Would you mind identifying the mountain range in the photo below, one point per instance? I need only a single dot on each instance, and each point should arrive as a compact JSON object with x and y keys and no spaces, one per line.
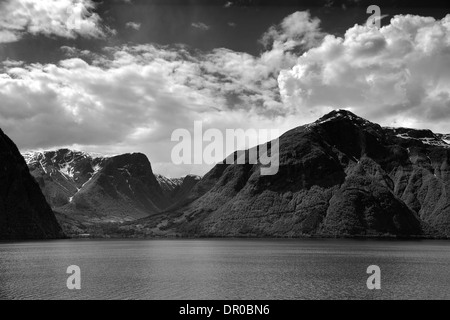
{"x":86,"y":189}
{"x":339,"y":176}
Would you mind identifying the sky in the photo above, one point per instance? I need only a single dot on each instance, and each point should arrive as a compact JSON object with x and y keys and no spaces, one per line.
{"x":120,"y":76}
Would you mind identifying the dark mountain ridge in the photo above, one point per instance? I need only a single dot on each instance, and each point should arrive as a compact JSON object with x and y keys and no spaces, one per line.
{"x":24,"y":213}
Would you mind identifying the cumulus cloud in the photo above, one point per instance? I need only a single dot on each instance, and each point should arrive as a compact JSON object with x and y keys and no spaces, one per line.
{"x":296,"y":32}
{"x":62,"y":18}
{"x":397,"y":75}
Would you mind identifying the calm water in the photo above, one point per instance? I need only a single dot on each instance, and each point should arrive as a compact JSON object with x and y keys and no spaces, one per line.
{"x":225,"y":269}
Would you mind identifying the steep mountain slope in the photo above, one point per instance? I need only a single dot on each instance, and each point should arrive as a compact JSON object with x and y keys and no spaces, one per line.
{"x":24,"y":213}
{"x":98,"y":189}
{"x":339,"y":176}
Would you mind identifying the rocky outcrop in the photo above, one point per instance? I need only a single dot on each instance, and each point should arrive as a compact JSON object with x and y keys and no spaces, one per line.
{"x":24,"y":212}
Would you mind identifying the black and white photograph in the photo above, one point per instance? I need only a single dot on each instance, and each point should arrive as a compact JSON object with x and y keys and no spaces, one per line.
{"x":214,"y":152}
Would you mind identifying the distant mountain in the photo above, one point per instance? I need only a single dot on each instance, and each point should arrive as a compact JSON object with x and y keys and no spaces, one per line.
{"x":179,"y":188}
{"x":339,"y":176}
{"x":62,"y":173}
{"x":98,"y":189}
{"x":88,"y":191}
{"x":168,"y":185}
{"x":24,"y":213}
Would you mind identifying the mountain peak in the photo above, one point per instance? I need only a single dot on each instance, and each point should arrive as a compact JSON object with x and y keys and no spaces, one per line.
{"x":341,"y":114}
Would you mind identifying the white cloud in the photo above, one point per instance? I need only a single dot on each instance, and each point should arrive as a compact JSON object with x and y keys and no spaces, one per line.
{"x":62,"y":18}
{"x":12,"y":63}
{"x":200,"y":25}
{"x":133,"y":25}
{"x":131,"y":98}
{"x":397,"y":75}
{"x":297,"y":31}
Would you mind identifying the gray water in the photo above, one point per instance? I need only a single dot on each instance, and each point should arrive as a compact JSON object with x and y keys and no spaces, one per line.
{"x":225,"y":269}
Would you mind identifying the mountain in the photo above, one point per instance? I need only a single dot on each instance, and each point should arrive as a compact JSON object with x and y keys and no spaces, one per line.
{"x":168,"y":185}
{"x":98,"y":189}
{"x":339,"y":176}
{"x":24,"y":213}
{"x":62,"y":173}
{"x":179,"y":188}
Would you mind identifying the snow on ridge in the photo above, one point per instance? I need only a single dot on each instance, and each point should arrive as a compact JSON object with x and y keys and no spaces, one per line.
{"x":35,"y":154}
{"x":340,"y":113}
{"x":164,"y":180}
{"x":32,"y":156}
{"x":67,"y":161}
{"x":429,"y":141}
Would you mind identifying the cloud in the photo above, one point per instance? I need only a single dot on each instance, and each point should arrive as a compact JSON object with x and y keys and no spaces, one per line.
{"x":201,"y":26}
{"x":131,"y":98}
{"x":12,"y":63}
{"x":397,"y":75}
{"x":133,"y":25}
{"x":296,"y":32}
{"x":62,"y":18}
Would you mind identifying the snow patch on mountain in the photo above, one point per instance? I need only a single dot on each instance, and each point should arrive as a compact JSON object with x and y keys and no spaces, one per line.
{"x":432,"y":141}
{"x":168,"y":184}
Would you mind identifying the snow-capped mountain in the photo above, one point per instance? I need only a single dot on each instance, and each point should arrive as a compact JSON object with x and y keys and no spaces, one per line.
{"x":96,"y":188}
{"x":62,"y":173}
{"x":177,"y":189}
{"x":168,"y":184}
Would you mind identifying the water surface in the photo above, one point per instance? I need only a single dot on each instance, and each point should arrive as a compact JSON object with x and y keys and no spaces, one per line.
{"x":225,"y":269}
